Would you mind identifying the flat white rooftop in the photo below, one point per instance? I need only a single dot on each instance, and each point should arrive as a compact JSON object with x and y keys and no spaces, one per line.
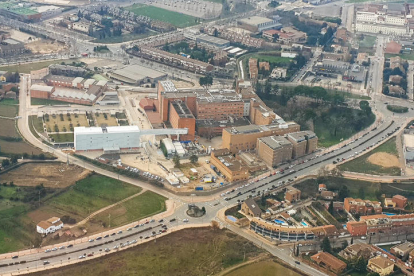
{"x":109,"y":129}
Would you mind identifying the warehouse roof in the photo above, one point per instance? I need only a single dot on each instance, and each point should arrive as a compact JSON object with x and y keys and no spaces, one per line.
{"x":255,"y":20}
{"x":275,"y":142}
{"x":109,"y":129}
{"x":41,"y":88}
{"x":136,"y":73}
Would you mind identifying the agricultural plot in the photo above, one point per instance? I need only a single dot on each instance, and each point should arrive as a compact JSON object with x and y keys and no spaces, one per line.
{"x":8,"y":128}
{"x":18,"y":148}
{"x":105,"y":119}
{"x":174,"y":18}
{"x":8,"y":110}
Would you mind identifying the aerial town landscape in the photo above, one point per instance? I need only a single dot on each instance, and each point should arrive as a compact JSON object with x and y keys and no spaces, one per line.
{"x":206,"y":137}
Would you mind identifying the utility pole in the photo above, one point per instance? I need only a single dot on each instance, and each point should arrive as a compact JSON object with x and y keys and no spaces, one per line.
{"x":109,"y":216}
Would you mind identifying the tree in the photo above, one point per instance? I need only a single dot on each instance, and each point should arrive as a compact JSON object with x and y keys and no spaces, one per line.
{"x":344,"y":244}
{"x":13,"y":159}
{"x":343,"y":192}
{"x":203,"y":209}
{"x":193,"y":159}
{"x":352,"y":240}
{"x":361,"y":192}
{"x":326,"y":245}
{"x":176,"y":160}
{"x":5,"y":162}
{"x":360,"y":265}
{"x":206,"y":81}
{"x":331,"y":208}
{"x":297,"y":251}
{"x":215,"y":33}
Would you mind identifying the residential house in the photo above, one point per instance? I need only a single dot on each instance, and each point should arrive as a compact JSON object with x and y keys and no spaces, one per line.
{"x":292,"y":195}
{"x":326,"y":260}
{"x":402,"y":250}
{"x":49,"y":226}
{"x":322,"y":187}
{"x":250,"y":207}
{"x":358,"y":250}
{"x":362,"y":207}
{"x":328,"y":195}
{"x":381,"y":265}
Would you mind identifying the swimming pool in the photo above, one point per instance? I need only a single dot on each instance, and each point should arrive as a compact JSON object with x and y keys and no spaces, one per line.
{"x":278,"y":221}
{"x":304,"y":224}
{"x":233,"y":219}
{"x":389,"y":214}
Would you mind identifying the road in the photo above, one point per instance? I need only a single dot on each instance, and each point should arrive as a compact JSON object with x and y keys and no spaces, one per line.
{"x":213,"y":204}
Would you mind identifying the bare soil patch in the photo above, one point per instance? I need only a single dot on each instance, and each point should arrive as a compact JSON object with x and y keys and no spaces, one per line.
{"x":53,"y":175}
{"x":384,"y":159}
{"x":45,"y":47}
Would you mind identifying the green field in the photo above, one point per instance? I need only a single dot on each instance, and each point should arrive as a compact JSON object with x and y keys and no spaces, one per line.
{"x":144,"y":205}
{"x":7,"y":110}
{"x":62,"y":137}
{"x":8,"y":128}
{"x":27,"y":67}
{"x":367,"y":42}
{"x":17,"y":148}
{"x":348,"y":95}
{"x":36,"y":101}
{"x":264,"y":268}
{"x":190,"y":252}
{"x":177,"y":19}
{"x":397,"y":108}
{"x":19,"y":217}
{"x":9,"y":102}
{"x":125,"y":37}
{"x":323,"y":127}
{"x":403,"y":56}
{"x":361,"y":164}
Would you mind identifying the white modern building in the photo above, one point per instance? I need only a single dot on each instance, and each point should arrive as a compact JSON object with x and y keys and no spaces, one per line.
{"x":115,"y":138}
{"x":49,"y":226}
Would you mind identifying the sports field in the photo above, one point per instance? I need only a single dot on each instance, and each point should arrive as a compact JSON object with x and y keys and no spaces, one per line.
{"x":177,"y":19}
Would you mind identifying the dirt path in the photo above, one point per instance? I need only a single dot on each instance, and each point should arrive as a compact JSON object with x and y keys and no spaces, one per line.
{"x":104,"y":209}
{"x":399,"y":146}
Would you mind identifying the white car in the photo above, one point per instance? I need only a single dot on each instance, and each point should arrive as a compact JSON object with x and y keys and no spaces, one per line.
{"x":185,"y":220}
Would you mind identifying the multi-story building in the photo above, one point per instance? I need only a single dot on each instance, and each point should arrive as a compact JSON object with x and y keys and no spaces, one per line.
{"x":245,"y":137}
{"x":174,"y":59}
{"x":357,"y":228}
{"x":274,"y":150}
{"x":381,"y":224}
{"x":250,"y":208}
{"x":355,"y":251}
{"x":219,"y":108}
{"x":232,"y":168}
{"x":304,"y":142}
{"x":259,"y":113}
{"x":181,"y":117}
{"x":290,"y":233}
{"x":402,"y":250}
{"x":362,"y":207}
{"x":382,"y":19}
{"x":292,"y":194}
{"x":400,"y":201}
{"x":253,"y":70}
{"x":41,"y":91}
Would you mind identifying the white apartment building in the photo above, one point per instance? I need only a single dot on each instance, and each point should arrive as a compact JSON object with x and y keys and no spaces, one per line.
{"x":382,"y":21}
{"x":49,"y":226}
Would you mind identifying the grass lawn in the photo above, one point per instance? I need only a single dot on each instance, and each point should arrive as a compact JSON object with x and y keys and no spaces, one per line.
{"x":324,"y":131}
{"x":19,"y":218}
{"x":88,"y":195}
{"x":37,"y":123}
{"x":125,"y":37}
{"x":368,"y":41}
{"x":9,"y":102}
{"x":264,"y":268}
{"x":108,"y":120}
{"x":8,"y":110}
{"x":27,"y":67}
{"x":270,"y":58}
{"x":403,"y":56}
{"x":144,"y":205}
{"x":397,"y":108}
{"x":62,"y":137}
{"x":362,"y":165}
{"x":99,"y":77}
{"x":198,"y":251}
{"x":8,"y":128}
{"x":177,"y":19}
{"x":349,"y":95}
{"x":36,"y":101}
{"x":65,"y":125}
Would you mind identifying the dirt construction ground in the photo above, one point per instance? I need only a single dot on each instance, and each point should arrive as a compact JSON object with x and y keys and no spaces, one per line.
{"x":45,"y":47}
{"x":384,"y":160}
{"x":53,"y":175}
